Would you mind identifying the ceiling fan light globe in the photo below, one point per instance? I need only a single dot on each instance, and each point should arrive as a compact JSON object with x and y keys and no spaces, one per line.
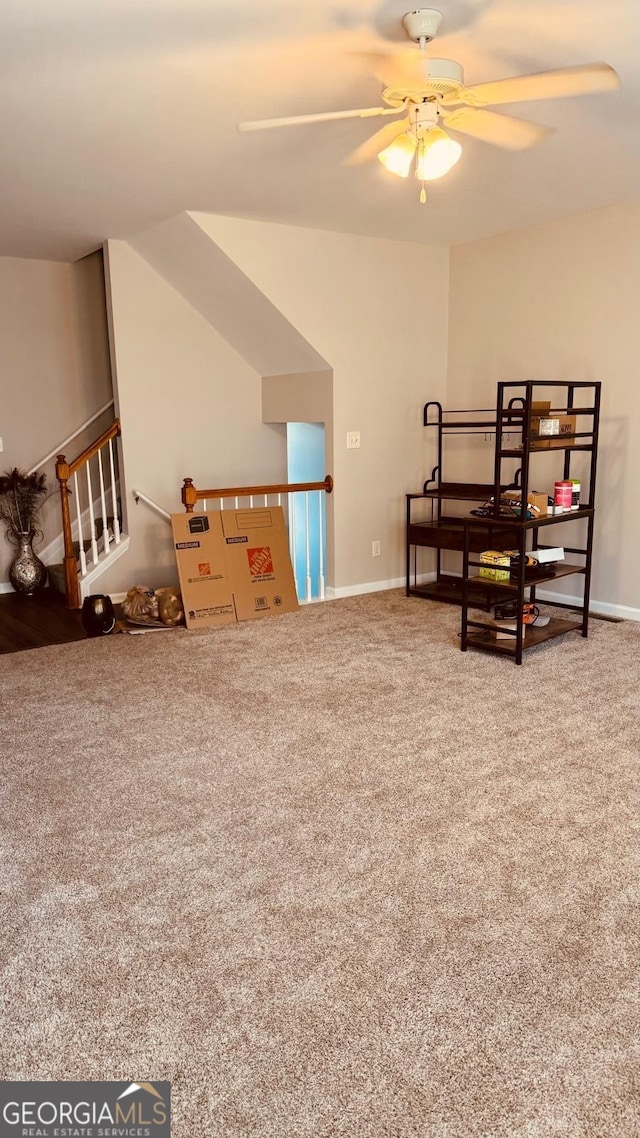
{"x":398,"y":156}
{"x":437,"y":154}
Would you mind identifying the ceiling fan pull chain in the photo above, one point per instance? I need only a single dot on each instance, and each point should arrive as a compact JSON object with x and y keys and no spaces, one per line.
{"x":423,"y":195}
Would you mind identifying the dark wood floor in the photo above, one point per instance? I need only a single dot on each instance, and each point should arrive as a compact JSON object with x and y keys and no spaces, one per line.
{"x":36,"y":621}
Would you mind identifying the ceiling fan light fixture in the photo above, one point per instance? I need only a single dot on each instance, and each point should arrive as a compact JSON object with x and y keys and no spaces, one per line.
{"x":437,"y":153}
{"x":398,"y":156}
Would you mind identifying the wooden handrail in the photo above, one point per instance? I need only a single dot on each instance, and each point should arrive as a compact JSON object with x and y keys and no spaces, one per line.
{"x":110,"y":433}
{"x":64,"y":471}
{"x":69,"y":439}
{"x":72,"y":589}
{"x":190,"y":495}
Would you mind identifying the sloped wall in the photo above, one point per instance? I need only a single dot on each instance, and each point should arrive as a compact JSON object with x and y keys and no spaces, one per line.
{"x":190,"y":407}
{"x":377,"y":312}
{"x":355,"y":329}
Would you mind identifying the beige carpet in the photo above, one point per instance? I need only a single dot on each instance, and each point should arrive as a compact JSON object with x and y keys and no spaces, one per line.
{"x":328,"y":875}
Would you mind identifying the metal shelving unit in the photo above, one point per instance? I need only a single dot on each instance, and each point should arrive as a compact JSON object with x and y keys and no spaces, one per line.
{"x":522,"y":587}
{"x":444,"y":530}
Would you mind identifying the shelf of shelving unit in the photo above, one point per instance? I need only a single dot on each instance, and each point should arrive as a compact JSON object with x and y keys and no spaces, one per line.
{"x":484,"y":638}
{"x":521,"y":586}
{"x":443,"y":531}
{"x":563,"y":570}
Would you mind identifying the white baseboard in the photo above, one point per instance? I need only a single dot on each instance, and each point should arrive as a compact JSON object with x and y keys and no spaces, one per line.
{"x":622,"y":612}
{"x":375,"y":586}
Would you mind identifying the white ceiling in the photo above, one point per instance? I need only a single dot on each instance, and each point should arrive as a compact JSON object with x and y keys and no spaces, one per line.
{"x":116,"y":114}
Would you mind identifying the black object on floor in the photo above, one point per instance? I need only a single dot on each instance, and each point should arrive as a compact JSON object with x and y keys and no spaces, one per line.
{"x":98,"y":616}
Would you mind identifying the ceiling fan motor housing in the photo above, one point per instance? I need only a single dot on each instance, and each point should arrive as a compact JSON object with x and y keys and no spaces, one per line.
{"x":431,"y":79}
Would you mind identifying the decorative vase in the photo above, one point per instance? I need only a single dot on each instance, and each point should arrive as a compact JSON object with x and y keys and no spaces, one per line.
{"x":27,"y":572}
{"x":98,"y":616}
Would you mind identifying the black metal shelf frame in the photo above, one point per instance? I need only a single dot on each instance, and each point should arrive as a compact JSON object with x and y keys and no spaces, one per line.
{"x":525,"y":527}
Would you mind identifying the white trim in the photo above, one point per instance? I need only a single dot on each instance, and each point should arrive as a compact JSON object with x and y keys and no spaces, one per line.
{"x":115,"y":553}
{"x":57,"y":450}
{"x":622,"y":612}
{"x":374,"y":586}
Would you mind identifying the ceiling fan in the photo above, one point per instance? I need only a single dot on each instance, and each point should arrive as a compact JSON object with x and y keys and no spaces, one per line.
{"x":430,"y":93}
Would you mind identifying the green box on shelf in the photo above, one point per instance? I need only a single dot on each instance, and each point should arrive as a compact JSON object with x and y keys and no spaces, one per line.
{"x":495,"y":565}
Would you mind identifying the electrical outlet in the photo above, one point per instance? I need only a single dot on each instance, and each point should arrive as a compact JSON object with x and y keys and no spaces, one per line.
{"x":353,"y":440}
{"x":375,"y":548}
{"x":1,"y":444}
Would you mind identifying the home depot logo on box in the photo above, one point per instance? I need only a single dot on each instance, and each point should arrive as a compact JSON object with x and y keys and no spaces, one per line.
{"x":260,"y":562}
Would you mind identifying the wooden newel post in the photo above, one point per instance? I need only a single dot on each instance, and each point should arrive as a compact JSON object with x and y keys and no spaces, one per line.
{"x":189,"y":495}
{"x":70,"y":564}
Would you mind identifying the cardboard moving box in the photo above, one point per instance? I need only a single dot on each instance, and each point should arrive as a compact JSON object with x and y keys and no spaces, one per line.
{"x":259,"y":563}
{"x":233,"y":565}
{"x":549,"y":433}
{"x":535,"y":498}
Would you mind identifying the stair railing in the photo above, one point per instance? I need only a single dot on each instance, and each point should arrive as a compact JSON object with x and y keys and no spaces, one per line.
{"x":69,"y":439}
{"x":307,"y":546}
{"x":100,"y":490}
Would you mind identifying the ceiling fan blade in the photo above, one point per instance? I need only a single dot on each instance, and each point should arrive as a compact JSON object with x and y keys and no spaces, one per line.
{"x":377,"y":142}
{"x":500,"y":130}
{"x":326,"y":116}
{"x":580,"y":80}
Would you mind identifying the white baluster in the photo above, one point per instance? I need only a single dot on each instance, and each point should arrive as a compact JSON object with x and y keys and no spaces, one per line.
{"x":204,"y":505}
{"x":266,"y":500}
{"x":92,"y":520}
{"x":307,"y":544}
{"x":292,"y":538}
{"x":103,"y":506}
{"x":114,"y":496}
{"x":251,"y":501}
{"x":81,"y":553}
{"x":321,"y":546}
{"x":237,"y":500}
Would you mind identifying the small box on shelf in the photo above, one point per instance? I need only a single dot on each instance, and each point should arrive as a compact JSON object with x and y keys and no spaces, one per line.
{"x":495,"y":565}
{"x":551,"y":434}
{"x":536,"y":499}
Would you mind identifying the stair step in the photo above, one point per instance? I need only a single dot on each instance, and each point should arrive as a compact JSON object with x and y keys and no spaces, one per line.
{"x":56,"y":572}
{"x":56,"y":578}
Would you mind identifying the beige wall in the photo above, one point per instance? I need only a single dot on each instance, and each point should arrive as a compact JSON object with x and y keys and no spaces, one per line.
{"x":376,"y":311}
{"x":190,"y":407}
{"x":561,"y":301}
{"x":54,"y":360}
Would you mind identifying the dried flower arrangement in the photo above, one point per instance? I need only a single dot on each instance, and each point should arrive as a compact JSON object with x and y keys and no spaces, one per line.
{"x":21,"y":499}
